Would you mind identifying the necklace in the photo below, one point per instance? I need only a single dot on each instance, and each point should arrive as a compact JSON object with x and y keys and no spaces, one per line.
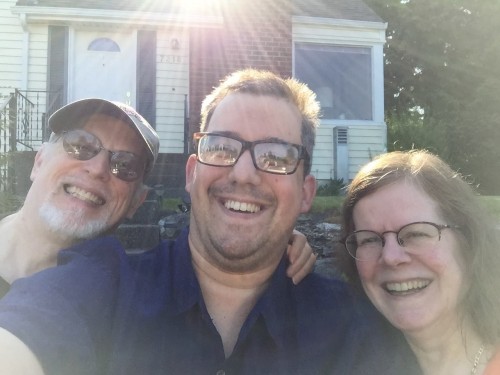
{"x":476,"y":359}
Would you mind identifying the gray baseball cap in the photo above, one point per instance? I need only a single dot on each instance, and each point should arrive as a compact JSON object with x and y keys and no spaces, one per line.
{"x":71,"y":115}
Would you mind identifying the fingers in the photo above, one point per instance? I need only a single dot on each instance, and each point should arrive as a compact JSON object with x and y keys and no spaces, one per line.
{"x":296,"y":246}
{"x":306,"y":270}
{"x":301,"y":257}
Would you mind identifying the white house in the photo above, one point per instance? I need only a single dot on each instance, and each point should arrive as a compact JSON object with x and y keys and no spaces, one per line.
{"x":164,"y":56}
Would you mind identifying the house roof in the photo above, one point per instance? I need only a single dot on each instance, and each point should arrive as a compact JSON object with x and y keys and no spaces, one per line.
{"x":338,"y":9}
{"x":156,"y":6}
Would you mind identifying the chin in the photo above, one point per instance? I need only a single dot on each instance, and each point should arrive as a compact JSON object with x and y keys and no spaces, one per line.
{"x":71,"y":224}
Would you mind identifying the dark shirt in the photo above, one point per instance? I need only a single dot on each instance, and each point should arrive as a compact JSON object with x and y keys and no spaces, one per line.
{"x":64,"y":314}
{"x":317,"y":327}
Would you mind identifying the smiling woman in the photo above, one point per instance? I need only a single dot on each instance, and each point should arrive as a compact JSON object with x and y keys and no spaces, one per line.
{"x":421,"y":247}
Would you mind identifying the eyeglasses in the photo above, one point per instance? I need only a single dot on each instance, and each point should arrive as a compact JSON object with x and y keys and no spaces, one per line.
{"x":367,"y":245}
{"x":271,"y":156}
{"x":82,"y":145}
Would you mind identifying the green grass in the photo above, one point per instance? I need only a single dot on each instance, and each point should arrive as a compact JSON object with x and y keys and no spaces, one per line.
{"x":170,"y":204}
{"x":324,"y":204}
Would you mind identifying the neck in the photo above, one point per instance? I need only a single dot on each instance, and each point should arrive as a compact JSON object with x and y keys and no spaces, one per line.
{"x":26,"y":246}
{"x":454,"y":352}
{"x":229,"y":297}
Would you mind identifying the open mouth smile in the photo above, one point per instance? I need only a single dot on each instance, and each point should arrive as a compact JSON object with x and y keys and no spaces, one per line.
{"x":241,"y":206}
{"x":83,"y":195}
{"x":407,"y":287}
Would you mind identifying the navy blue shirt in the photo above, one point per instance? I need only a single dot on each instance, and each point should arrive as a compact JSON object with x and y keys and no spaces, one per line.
{"x":64,"y":314}
{"x":317,"y":327}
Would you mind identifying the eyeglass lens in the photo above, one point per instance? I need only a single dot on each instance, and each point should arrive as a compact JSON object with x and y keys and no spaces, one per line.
{"x":415,"y":237}
{"x":271,"y":157}
{"x":82,"y":145}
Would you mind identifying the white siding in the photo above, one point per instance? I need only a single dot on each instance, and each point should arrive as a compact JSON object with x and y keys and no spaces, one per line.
{"x":11,"y":43}
{"x":37,"y":58}
{"x":365,"y":142}
{"x":172,"y":86}
{"x":23,"y":61}
{"x":322,"y":165}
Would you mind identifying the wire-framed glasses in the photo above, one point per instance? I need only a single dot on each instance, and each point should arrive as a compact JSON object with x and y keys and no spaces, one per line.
{"x":367,"y":245}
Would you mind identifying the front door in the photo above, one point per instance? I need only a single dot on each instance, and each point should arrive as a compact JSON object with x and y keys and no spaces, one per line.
{"x":104,"y":66}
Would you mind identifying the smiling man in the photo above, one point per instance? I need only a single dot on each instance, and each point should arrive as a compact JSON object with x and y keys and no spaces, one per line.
{"x":217,"y":301}
{"x":81,"y":189}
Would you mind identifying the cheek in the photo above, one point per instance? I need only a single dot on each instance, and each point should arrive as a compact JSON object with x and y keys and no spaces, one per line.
{"x":124,"y":195}
{"x":366,"y":270}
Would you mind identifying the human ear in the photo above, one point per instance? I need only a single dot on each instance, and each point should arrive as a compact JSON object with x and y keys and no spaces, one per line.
{"x":39,"y":159}
{"x":308,"y":193}
{"x":190,"y":170}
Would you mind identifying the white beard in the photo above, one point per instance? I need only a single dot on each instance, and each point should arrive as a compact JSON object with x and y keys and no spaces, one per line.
{"x":71,"y":223}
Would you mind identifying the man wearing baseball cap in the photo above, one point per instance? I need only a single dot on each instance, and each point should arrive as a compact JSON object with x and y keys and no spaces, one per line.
{"x":85,"y":181}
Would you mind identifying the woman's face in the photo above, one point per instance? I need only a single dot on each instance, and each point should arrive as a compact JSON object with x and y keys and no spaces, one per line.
{"x":417,"y":291}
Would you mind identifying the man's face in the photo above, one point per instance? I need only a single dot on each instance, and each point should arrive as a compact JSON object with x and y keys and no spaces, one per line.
{"x":82,"y":199}
{"x":241,"y":217}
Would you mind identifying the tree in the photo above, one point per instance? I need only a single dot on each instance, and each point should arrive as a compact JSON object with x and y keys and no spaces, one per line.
{"x":442,"y":68}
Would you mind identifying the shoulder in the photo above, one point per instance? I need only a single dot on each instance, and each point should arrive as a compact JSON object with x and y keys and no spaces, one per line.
{"x":317,"y":290}
{"x":163,"y":258}
{"x":102,"y":251}
{"x":158,"y":276}
{"x":345,"y":334}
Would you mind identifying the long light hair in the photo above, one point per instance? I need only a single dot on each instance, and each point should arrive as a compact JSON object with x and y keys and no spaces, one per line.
{"x":459,"y":205}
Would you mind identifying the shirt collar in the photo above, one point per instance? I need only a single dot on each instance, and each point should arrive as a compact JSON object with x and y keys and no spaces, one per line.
{"x":275,"y":305}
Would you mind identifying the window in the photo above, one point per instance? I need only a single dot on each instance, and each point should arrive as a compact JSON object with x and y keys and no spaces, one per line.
{"x":104,"y":44}
{"x":340,"y":76}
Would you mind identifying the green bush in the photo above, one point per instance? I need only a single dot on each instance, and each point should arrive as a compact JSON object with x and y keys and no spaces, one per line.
{"x":332,"y":187}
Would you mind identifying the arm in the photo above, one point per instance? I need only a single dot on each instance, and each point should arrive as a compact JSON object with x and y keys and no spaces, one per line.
{"x":301,"y":257}
{"x":63,"y":314}
{"x":16,"y":357}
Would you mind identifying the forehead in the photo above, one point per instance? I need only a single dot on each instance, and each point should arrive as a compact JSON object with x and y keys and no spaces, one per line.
{"x":398,"y":203}
{"x":256,"y":117}
{"x":114,"y":134}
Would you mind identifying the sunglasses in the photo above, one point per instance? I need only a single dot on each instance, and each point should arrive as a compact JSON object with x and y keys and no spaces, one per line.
{"x":82,"y":145}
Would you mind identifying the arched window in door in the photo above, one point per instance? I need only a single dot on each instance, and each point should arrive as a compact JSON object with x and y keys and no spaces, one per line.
{"x":104,"y":44}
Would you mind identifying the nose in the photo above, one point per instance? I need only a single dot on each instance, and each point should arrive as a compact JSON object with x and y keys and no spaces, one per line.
{"x":393,"y":253}
{"x":244,"y":171}
{"x":98,"y":166}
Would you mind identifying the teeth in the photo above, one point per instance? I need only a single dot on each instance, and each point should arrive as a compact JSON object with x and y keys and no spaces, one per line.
{"x":242,"y":206}
{"x":84,"y":195}
{"x":407,"y":286}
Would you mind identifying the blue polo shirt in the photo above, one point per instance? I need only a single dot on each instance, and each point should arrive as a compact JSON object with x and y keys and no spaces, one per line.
{"x":318,"y":327}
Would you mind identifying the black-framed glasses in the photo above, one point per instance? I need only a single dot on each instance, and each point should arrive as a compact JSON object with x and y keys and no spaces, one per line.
{"x":367,"y":245}
{"x":269,"y":155}
{"x":82,"y":145}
